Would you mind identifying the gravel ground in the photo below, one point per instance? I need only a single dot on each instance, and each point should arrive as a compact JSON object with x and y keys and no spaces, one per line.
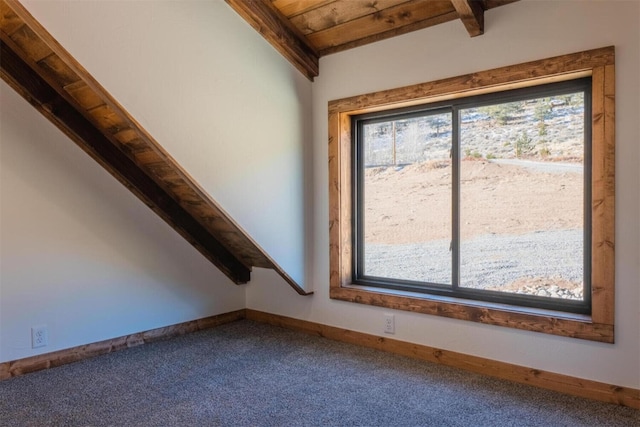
{"x":488,"y":261}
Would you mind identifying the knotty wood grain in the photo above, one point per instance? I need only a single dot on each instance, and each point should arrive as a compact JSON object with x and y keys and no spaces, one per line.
{"x":336,"y":13}
{"x":383,"y":24}
{"x":603,"y":194}
{"x":566,"y":325}
{"x":291,"y":8}
{"x":336,"y":221}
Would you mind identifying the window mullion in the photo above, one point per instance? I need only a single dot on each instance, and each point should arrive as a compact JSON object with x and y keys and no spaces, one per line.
{"x":358,"y":201}
{"x":455,"y":198}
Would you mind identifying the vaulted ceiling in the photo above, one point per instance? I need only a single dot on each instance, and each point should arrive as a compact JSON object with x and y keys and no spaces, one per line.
{"x":304,"y":30}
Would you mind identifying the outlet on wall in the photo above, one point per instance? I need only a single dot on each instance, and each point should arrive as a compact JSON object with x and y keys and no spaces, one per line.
{"x":389,"y":324}
{"x":39,"y":336}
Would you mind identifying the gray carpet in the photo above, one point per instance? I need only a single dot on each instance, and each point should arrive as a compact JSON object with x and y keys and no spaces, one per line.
{"x":251,"y":374}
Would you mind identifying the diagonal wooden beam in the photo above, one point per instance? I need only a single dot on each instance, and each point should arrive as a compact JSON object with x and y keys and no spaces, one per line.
{"x":22,"y":77}
{"x":49,"y":78}
{"x":277,"y":30}
{"x":471,"y":14}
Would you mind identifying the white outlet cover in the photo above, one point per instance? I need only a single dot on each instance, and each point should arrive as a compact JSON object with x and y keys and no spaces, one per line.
{"x":389,"y":324}
{"x":39,"y":336}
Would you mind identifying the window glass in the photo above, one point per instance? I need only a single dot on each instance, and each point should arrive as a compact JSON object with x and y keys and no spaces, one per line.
{"x":481,"y":198}
{"x":406,"y":200}
{"x":522,"y":197}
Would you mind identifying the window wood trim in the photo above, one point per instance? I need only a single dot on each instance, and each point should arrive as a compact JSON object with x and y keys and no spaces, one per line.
{"x":597,"y":63}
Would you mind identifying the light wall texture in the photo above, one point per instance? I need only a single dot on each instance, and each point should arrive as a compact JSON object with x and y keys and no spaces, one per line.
{"x":85,"y":257}
{"x":519,"y":32}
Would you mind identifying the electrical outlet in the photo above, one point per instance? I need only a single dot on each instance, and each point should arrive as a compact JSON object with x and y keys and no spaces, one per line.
{"x":39,"y":336}
{"x":389,"y":324}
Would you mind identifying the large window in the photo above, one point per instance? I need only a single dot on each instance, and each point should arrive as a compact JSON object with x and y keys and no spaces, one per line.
{"x":487,"y":197}
{"x":481,"y":197}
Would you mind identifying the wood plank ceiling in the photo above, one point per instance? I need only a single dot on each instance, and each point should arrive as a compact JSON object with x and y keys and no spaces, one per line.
{"x":304,"y":30}
{"x":34,"y":64}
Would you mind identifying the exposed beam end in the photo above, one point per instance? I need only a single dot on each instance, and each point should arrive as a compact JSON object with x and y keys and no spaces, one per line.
{"x":471,"y":14}
{"x":278,"y":31}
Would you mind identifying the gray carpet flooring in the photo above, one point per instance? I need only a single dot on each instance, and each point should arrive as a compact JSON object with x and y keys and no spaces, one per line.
{"x":251,"y":374}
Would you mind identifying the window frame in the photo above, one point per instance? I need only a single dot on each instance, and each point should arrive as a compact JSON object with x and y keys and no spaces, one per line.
{"x":453,"y":108}
{"x":597,"y":64}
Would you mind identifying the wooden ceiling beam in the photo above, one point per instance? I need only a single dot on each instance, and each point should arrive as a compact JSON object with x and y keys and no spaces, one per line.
{"x":471,"y":14}
{"x":280,"y":33}
{"x":291,"y":8}
{"x":399,"y":19}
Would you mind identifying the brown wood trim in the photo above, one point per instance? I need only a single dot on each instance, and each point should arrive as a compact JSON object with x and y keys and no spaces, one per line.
{"x":332,"y":40}
{"x":64,"y":90}
{"x":603,"y":194}
{"x":566,"y":384}
{"x":471,"y":14}
{"x":598,"y":63}
{"x":544,"y":321}
{"x":441,"y":19}
{"x":340,"y":251}
{"x":291,"y":8}
{"x":75,"y":354}
{"x":509,"y":77}
{"x":280,"y":33}
{"x":340,"y":12}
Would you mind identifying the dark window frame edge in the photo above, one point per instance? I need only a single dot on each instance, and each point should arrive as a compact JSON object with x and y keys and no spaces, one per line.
{"x":578,"y":85}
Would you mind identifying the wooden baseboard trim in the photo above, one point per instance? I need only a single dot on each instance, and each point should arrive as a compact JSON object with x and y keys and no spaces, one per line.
{"x":624,"y":396}
{"x":603,"y":392}
{"x":75,"y":354}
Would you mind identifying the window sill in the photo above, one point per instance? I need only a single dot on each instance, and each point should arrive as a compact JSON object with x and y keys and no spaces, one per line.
{"x":530,"y":319}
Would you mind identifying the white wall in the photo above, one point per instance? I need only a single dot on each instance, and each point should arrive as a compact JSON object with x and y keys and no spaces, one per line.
{"x":81,"y":254}
{"x":523,"y":31}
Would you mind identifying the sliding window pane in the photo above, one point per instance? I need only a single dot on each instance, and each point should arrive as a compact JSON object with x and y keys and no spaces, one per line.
{"x":406,"y":202}
{"x":522,"y":197}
